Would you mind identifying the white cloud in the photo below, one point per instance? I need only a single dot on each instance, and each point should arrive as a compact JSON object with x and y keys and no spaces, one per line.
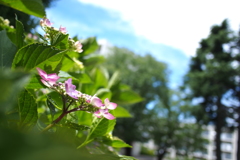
{"x":180,"y":24}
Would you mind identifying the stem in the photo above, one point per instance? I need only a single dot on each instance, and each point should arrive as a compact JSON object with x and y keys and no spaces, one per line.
{"x":69,"y":105}
{"x":64,"y":102}
{"x":54,"y":122}
{"x":75,"y":109}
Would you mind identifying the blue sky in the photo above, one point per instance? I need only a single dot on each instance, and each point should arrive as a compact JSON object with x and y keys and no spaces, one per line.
{"x":169,"y":32}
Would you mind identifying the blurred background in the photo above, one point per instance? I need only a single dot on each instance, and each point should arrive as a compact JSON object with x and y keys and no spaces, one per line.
{"x":182,"y":57}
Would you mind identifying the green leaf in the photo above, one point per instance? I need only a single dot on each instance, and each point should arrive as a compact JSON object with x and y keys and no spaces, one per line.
{"x":115,"y":79}
{"x":84,"y":118}
{"x":100,"y":76}
{"x":7,"y":50}
{"x":126,"y":97}
{"x":92,"y":60}
{"x":104,"y":93}
{"x":100,"y":127}
{"x":115,"y":142}
{"x":11,"y":83}
{"x":55,"y":99}
{"x":51,"y":107}
{"x":27,"y":110}
{"x":19,"y":34}
{"x":37,"y":55}
{"x":122,"y":157}
{"x":89,"y":46}
{"x":32,"y":7}
{"x":35,"y":83}
{"x":68,"y":62}
{"x":88,"y":89}
{"x":60,"y":41}
{"x":81,"y":77}
{"x":76,"y":126}
{"x":121,"y":112}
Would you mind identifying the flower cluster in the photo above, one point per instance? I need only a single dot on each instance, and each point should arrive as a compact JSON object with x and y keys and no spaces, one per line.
{"x":5,"y":24}
{"x":51,"y":32}
{"x":87,"y":103}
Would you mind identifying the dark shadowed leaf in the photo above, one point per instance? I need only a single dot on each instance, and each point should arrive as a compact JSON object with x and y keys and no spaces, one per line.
{"x":7,"y":50}
{"x":19,"y":34}
{"x":27,"y":109}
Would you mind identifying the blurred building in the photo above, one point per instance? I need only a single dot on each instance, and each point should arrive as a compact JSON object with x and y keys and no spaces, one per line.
{"x":228,"y":146}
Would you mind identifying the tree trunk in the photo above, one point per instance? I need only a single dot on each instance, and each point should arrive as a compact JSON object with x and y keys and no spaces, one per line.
{"x":161,"y":153}
{"x":238,"y":147}
{"x":128,"y":151}
{"x":219,"y":120}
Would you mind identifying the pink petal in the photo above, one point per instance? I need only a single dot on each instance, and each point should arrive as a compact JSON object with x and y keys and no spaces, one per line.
{"x":106,"y":102}
{"x":42,"y":73}
{"x":70,"y":89}
{"x":109,"y":104}
{"x":108,"y":116}
{"x":45,"y":83}
{"x":52,"y":77}
{"x":112,"y":105}
{"x":63,"y":30}
{"x":97,"y":114}
{"x":48,"y":23}
{"x":96,"y":101}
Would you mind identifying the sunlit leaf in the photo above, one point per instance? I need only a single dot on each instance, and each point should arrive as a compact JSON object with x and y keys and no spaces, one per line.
{"x":38,"y":55}
{"x":89,"y":45}
{"x":84,"y":118}
{"x":92,"y":60}
{"x":126,"y":97}
{"x":115,"y":142}
{"x":60,"y":41}
{"x":100,"y":127}
{"x":104,"y":93}
{"x":100,"y":76}
{"x":115,"y":79}
{"x":121,"y":112}
{"x":32,"y":7}
{"x":81,"y":77}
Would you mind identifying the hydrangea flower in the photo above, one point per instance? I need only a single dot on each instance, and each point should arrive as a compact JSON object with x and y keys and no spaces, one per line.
{"x":45,"y":22}
{"x":104,"y":113}
{"x":48,"y":79}
{"x":63,"y":30}
{"x":78,"y":46}
{"x":71,"y":89}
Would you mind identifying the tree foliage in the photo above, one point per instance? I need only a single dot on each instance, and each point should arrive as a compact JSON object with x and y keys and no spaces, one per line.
{"x":146,"y":76}
{"x":212,"y":76}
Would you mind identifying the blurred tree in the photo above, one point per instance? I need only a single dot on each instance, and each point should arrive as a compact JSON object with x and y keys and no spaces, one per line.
{"x":147,"y":77}
{"x":29,"y":22}
{"x":236,"y":92}
{"x":211,"y":77}
{"x":170,"y":127}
